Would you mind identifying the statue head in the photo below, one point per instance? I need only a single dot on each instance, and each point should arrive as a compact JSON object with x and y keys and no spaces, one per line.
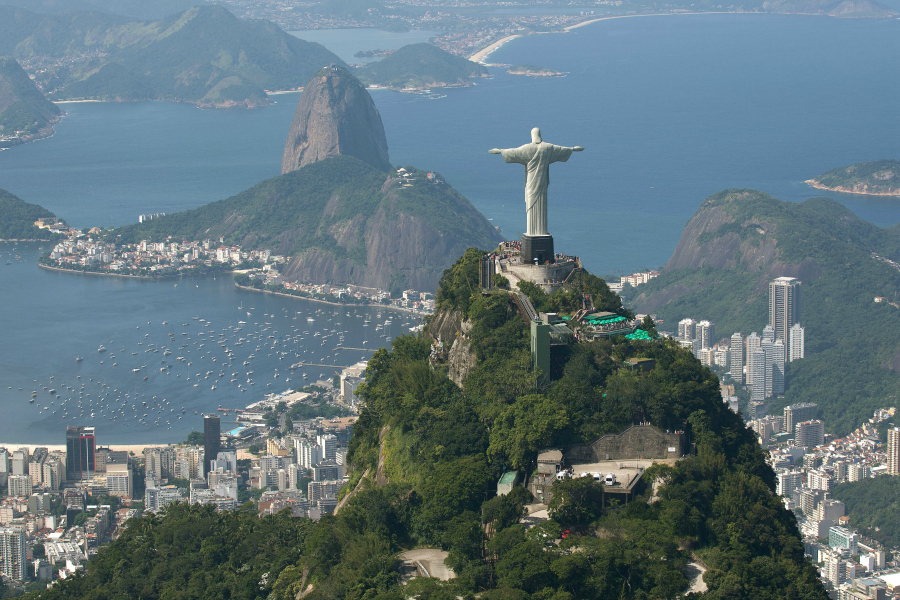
{"x":535,"y":136}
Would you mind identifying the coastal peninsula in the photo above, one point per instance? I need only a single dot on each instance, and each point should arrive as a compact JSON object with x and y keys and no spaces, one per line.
{"x":877,"y":178}
{"x":534,"y":71}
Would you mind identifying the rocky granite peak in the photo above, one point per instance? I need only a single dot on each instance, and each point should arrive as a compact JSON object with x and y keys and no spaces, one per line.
{"x":335,"y":117}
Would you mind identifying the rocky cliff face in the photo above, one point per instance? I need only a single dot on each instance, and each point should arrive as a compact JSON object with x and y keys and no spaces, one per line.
{"x":335,"y":116}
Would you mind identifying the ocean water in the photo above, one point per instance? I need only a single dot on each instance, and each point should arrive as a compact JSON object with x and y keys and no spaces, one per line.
{"x":669,"y":109}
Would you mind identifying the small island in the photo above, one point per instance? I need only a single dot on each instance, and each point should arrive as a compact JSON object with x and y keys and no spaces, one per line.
{"x":534,"y":71}
{"x":877,"y":178}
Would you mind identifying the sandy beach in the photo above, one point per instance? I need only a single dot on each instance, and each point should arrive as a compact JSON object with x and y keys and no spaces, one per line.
{"x":483,"y":53}
{"x":137,"y":449}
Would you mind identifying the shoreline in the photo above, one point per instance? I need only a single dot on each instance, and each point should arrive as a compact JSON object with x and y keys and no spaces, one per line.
{"x":384,"y":306}
{"x":79,"y":272}
{"x":843,"y":190}
{"x":481,"y":55}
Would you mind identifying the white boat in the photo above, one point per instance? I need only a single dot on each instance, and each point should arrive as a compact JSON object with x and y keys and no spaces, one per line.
{"x":101,"y":349}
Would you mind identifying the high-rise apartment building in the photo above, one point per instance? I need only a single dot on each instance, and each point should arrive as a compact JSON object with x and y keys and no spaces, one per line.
{"x":159,"y":461}
{"x":81,"y":444}
{"x":118,"y":474}
{"x":13,"y":559}
{"x":737,"y":358}
{"x":893,"y":451}
{"x":788,"y":481}
{"x":856,"y":472}
{"x":784,"y":305}
{"x":211,"y":440}
{"x":756,"y":376}
{"x":19,"y":486}
{"x":706,"y":333}
{"x":835,"y":569}
{"x":687,"y":329}
{"x":778,"y":368}
{"x":768,"y":334}
{"x":797,"y":343}
{"x":752,"y":342}
{"x":328,"y":443}
{"x":796,"y":413}
{"x":809,"y":434}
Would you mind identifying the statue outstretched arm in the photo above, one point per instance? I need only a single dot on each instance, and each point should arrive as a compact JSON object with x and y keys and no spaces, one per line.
{"x":495,"y":151}
{"x":578,"y":149}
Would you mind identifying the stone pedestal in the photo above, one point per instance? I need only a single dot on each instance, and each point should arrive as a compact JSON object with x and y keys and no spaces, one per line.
{"x":537,"y":249}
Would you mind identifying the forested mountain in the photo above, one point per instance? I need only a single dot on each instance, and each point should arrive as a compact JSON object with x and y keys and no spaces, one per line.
{"x":17,"y":219}
{"x":136,"y":9}
{"x":741,"y":239}
{"x":342,"y":222}
{"x":204,"y":55}
{"x":880,"y":177}
{"x":23,"y":108}
{"x":425,"y":456}
{"x":421,"y":66}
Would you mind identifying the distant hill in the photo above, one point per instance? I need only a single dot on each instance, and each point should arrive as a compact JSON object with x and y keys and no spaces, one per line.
{"x":137,"y":9}
{"x":23,"y":108}
{"x":832,"y":8}
{"x":878,"y":178}
{"x":421,"y":66}
{"x":741,"y":239}
{"x":204,"y":55}
{"x":342,"y":222}
{"x":17,"y":219}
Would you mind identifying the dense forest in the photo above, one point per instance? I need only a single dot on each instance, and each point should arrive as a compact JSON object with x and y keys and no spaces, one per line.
{"x":22,"y":106}
{"x":424,"y":459}
{"x":420,"y":65}
{"x":204,"y":55}
{"x":741,"y":239}
{"x":874,"y":507}
{"x":17,"y":219}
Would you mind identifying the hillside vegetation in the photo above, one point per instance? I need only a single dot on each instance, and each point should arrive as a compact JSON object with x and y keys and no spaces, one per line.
{"x":741,"y":239}
{"x":420,"y":66}
{"x":22,"y":106}
{"x":425,"y":456}
{"x":342,"y":221}
{"x":881,"y":177}
{"x":874,"y":507}
{"x":203,"y":55}
{"x":17,"y":219}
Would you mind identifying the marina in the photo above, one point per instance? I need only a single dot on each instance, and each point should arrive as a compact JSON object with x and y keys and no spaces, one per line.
{"x":163,"y":362}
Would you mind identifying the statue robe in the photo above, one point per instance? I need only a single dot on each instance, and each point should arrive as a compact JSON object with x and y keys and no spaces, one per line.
{"x":537,"y":158}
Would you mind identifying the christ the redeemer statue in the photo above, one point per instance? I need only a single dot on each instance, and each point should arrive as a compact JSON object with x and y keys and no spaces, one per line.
{"x":536,"y":157}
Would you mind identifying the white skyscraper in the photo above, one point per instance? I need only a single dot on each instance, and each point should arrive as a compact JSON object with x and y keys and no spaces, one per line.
{"x":328,"y":443}
{"x":768,"y":334}
{"x":687,"y":329}
{"x":756,"y":374}
{"x":893,"y":451}
{"x":778,"y":368}
{"x":308,"y":454}
{"x":768,"y":347}
{"x":753,"y":342}
{"x":784,"y":305}
{"x":706,"y":333}
{"x":737,"y":358}
{"x":798,"y":343}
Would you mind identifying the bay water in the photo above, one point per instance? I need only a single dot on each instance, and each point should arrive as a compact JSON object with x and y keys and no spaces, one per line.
{"x":670,"y":110}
